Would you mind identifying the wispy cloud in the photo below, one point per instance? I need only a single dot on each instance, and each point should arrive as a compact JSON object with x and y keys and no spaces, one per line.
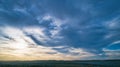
{"x":59,"y":29}
{"x":22,"y":46}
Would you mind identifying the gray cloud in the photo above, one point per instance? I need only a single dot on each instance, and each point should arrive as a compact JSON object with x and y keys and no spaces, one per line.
{"x":90,"y":25}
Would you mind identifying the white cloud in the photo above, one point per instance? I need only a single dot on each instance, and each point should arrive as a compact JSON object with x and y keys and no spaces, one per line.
{"x":81,"y":53}
{"x":22,"y":47}
{"x":113,"y":24}
{"x":112,"y":53}
{"x":112,"y":45}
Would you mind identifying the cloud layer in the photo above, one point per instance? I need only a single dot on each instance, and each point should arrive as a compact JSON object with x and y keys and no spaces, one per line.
{"x":56,"y":29}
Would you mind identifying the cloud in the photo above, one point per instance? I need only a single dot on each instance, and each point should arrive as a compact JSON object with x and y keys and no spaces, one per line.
{"x":111,"y":54}
{"x":22,"y":46}
{"x":83,"y":26}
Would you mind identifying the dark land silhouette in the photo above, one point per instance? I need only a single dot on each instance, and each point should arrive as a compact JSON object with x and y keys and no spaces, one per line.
{"x":54,"y":63}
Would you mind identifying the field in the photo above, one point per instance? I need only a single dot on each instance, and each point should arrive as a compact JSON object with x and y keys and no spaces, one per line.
{"x":92,"y":63}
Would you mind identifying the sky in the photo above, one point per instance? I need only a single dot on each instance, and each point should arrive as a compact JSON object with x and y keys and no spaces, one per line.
{"x":59,"y":29}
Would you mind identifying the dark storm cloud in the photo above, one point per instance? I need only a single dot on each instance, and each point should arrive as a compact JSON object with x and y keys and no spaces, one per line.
{"x":18,"y":13}
{"x":90,"y":24}
{"x":87,"y":19}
